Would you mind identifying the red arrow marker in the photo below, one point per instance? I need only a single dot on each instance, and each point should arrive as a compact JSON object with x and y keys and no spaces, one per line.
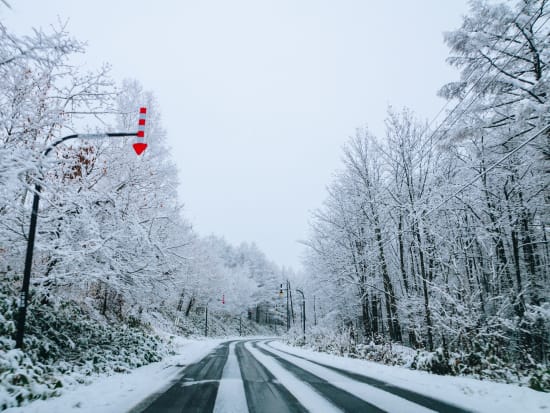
{"x":140,"y":145}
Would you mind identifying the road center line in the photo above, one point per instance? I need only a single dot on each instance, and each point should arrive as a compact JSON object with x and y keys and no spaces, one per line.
{"x":231,"y":397}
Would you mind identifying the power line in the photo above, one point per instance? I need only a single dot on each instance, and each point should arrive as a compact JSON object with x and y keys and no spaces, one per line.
{"x":462,"y":188}
{"x":478,"y":95}
{"x":465,"y":186}
{"x":514,"y":21}
{"x":493,"y":166}
{"x":477,"y":177}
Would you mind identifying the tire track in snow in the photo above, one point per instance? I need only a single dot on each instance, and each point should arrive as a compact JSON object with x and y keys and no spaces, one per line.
{"x":195,"y":391}
{"x":263,"y":392}
{"x":304,"y":393}
{"x":348,"y":395}
{"x":417,"y":398}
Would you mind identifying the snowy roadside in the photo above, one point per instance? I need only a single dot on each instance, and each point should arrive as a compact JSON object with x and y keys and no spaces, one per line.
{"x":122,"y":392}
{"x":477,"y":395}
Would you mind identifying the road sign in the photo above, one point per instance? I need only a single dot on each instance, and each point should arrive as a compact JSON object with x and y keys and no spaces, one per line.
{"x":140,"y":145}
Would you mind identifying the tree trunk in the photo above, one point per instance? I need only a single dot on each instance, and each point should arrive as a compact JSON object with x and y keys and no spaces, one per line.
{"x":374,"y":317}
{"x":393,"y":319}
{"x":180,"y":302}
{"x":402,"y":254}
{"x":427,"y":311}
{"x":189,"y":306}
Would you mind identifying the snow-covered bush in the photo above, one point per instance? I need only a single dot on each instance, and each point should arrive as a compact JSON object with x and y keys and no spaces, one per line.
{"x":64,"y":344}
{"x":540,"y":379}
{"x":344,"y":343}
{"x":437,"y":237}
{"x":322,"y":339}
{"x":23,"y":379}
{"x":481,"y":362}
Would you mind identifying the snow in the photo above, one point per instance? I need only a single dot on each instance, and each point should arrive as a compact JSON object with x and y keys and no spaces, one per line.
{"x":382,"y":399}
{"x":304,"y":393}
{"x":122,"y":392}
{"x":231,"y":397}
{"x":476,"y":395}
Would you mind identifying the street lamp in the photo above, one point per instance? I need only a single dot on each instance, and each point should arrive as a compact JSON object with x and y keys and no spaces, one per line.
{"x":303,"y":313}
{"x":24,"y":295}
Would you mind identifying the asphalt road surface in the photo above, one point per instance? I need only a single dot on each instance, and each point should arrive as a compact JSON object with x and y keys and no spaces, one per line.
{"x":251,"y":376}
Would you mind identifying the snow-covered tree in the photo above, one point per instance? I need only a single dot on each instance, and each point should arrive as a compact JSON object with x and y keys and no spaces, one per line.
{"x":446,"y":228}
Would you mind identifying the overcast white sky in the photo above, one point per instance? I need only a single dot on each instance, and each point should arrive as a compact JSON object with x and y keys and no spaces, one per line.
{"x":258,"y":96}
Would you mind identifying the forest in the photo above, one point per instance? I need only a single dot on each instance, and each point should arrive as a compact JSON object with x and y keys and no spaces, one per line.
{"x":433,"y":236}
{"x":115,"y":259}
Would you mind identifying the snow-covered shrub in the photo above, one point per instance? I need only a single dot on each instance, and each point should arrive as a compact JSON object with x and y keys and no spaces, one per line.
{"x":23,"y":379}
{"x":322,"y":339}
{"x":64,"y":344}
{"x":437,"y":361}
{"x":344,"y":343}
{"x":540,"y":379}
{"x":384,"y":353}
{"x":482,"y":361}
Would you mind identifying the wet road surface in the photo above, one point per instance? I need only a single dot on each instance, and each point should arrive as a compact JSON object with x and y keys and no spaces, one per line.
{"x":251,"y":376}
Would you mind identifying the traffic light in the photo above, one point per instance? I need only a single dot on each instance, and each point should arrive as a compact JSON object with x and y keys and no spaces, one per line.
{"x":281,"y":292}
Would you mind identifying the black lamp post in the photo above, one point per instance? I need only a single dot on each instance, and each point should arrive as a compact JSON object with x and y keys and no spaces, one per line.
{"x":24,"y":295}
{"x":287,"y":305}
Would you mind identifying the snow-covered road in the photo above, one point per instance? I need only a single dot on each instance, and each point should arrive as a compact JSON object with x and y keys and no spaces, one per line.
{"x":253,"y":376}
{"x":262,"y":375}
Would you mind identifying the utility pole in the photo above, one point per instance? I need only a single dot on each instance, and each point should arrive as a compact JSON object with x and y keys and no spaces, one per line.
{"x":206,"y":321}
{"x":291,"y":304}
{"x":303,"y":313}
{"x":24,"y":294}
{"x":287,"y":305}
{"x":314,"y":313}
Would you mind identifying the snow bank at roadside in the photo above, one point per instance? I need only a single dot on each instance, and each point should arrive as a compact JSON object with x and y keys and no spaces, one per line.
{"x":121,"y":392}
{"x":477,"y":395}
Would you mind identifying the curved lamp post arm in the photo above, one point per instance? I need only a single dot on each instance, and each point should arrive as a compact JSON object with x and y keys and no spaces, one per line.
{"x":88,"y":136}
{"x":23,"y":296}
